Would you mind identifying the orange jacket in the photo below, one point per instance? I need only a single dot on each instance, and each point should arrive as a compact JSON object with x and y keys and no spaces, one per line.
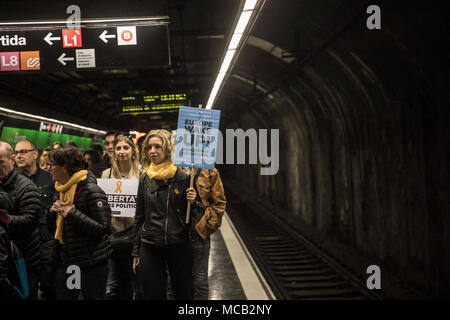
{"x":210,"y":189}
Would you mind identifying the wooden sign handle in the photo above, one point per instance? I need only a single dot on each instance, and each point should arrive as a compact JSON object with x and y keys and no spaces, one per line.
{"x":191,"y":184}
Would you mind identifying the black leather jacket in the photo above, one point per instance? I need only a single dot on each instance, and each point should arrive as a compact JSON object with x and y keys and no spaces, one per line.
{"x":161,"y":211}
{"x":87,"y":226}
{"x":23,"y":228}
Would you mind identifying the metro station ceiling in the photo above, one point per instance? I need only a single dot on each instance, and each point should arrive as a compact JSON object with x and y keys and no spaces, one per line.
{"x":289,"y":37}
{"x":198,"y":32}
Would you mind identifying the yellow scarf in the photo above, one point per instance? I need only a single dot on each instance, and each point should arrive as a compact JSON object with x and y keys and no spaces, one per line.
{"x":163,"y":171}
{"x":66,"y":194}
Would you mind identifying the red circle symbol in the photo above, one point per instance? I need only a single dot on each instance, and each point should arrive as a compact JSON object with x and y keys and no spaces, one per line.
{"x":126,"y":35}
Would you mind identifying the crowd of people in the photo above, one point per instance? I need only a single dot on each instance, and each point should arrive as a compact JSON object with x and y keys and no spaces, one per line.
{"x":56,"y":216}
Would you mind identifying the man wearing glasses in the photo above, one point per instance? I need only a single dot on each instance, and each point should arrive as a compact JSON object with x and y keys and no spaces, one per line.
{"x":26,"y":161}
{"x":23,"y":229}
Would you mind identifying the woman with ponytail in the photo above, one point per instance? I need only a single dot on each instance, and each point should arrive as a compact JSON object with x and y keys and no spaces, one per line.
{"x":161,"y":233}
{"x":83,"y":223}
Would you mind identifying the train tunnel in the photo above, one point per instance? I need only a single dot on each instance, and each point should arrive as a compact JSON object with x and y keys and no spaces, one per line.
{"x":361,"y":114}
{"x":343,"y":105}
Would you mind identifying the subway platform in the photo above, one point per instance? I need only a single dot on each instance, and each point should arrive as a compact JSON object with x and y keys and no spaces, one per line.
{"x":233,"y":275}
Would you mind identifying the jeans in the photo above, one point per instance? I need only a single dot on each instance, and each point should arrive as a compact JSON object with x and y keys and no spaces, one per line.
{"x":92,"y":284}
{"x":119,"y":284}
{"x":32,"y":285}
{"x":137,"y":287}
{"x":46,"y":274}
{"x":200,"y":250}
{"x":152,"y":271}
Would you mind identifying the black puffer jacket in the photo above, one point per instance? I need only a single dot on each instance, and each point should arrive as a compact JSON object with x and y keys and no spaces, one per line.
{"x":23,"y":229}
{"x":161,"y":211}
{"x":6,"y":291}
{"x":87,"y":226}
{"x":5,"y":206}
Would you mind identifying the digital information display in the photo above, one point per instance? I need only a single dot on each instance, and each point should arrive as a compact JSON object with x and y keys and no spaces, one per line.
{"x":141,"y":104}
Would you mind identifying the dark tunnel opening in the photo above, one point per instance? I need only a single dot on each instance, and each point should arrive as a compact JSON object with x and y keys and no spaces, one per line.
{"x":363,"y":133}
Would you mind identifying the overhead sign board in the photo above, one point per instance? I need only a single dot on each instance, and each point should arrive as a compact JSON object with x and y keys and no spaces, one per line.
{"x":51,"y":127}
{"x":55,"y":49}
{"x":164,"y":102}
{"x":196,"y":141}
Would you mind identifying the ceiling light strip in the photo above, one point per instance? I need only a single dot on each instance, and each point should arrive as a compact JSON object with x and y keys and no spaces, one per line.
{"x":24,"y":23}
{"x":27,"y":115}
{"x":233,"y":46}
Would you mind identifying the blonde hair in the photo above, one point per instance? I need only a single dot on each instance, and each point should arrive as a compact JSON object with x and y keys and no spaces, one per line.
{"x":135,"y":170}
{"x":167,"y":145}
{"x":44,"y":158}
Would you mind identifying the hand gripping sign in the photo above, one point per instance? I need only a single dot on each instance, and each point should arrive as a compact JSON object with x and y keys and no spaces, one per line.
{"x":196,"y":141}
{"x":121,"y":195}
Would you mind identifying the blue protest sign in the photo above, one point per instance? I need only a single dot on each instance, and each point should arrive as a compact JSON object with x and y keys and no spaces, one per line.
{"x":196,"y":142}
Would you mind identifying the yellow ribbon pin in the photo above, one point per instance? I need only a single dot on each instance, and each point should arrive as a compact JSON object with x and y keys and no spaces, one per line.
{"x":118,"y":184}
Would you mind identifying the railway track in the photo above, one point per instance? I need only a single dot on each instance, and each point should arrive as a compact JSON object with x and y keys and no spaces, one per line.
{"x":293,"y":266}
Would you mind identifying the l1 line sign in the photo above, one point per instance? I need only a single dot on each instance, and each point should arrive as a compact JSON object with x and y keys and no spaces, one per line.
{"x":51,"y":48}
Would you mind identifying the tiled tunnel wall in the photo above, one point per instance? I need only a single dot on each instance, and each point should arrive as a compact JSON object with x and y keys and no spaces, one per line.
{"x":363,"y":140}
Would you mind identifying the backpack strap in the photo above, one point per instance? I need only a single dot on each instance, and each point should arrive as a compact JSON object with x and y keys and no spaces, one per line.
{"x":11,"y":260}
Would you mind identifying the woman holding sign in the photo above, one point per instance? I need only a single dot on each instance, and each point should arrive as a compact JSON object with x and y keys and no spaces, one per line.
{"x":161,"y":234}
{"x":125,"y":165}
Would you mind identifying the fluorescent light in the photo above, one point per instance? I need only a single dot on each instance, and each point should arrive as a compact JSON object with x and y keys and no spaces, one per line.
{"x":215,"y":89}
{"x":27,"y":115}
{"x":212,"y":96}
{"x":243,"y":21}
{"x":235,"y":41}
{"x":250,"y":4}
{"x":219,"y":79}
{"x":20,"y":23}
{"x":227,"y":60}
{"x":244,"y":18}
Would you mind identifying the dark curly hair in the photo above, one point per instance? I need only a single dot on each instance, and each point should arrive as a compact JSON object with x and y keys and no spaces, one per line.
{"x":70,"y":158}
